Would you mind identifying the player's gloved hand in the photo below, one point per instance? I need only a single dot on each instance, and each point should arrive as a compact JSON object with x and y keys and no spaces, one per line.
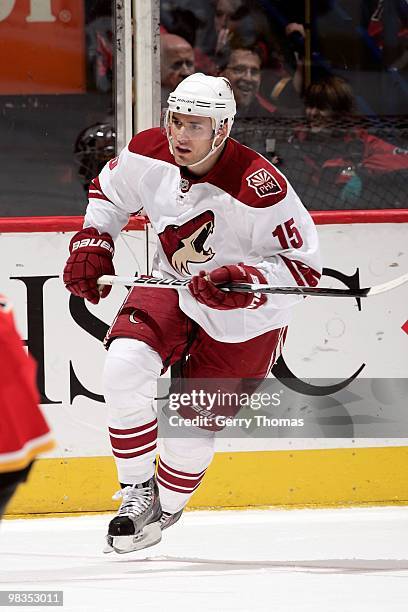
{"x":91,"y":256}
{"x":204,"y":287}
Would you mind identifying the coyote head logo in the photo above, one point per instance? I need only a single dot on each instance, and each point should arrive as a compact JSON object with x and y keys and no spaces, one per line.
{"x":185,"y":244}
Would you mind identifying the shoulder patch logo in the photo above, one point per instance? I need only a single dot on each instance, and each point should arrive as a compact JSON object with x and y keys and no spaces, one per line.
{"x":264,"y":183}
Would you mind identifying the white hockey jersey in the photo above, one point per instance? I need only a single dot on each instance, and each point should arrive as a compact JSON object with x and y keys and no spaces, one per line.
{"x":243,"y":210}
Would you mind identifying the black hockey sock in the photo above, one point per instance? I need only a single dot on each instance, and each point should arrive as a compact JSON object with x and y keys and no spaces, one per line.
{"x":138,"y":485}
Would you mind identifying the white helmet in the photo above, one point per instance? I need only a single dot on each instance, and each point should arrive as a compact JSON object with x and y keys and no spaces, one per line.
{"x":206,"y":96}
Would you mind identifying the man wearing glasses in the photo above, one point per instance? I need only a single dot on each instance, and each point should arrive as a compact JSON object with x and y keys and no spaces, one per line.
{"x":242,"y":67}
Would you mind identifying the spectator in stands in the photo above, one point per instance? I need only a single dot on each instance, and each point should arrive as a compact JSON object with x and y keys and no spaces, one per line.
{"x":176,"y":61}
{"x":180,"y":21}
{"x":185,"y":24}
{"x":333,"y":162}
{"x":387,"y":29}
{"x":242,"y":66}
{"x":227,"y":14}
{"x":237,"y":17}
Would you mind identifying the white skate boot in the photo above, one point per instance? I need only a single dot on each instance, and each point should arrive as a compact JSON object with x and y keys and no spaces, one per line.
{"x":137,"y":524}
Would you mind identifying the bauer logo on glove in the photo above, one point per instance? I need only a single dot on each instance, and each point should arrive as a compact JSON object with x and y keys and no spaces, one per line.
{"x":92,"y":242}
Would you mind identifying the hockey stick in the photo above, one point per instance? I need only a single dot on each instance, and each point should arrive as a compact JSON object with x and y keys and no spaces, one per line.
{"x":162,"y":283}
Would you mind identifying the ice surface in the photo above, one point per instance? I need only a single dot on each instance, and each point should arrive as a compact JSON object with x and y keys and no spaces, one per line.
{"x":344,"y":560}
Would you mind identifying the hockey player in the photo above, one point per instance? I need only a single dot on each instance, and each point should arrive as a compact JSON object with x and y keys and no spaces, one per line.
{"x":222,"y":214}
{"x":23,"y":431}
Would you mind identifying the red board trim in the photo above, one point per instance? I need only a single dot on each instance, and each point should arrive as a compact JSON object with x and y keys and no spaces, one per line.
{"x":320,"y":217}
{"x":335,"y":217}
{"x":57,"y":224}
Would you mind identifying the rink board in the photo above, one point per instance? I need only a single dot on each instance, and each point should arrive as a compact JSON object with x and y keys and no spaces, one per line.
{"x":324,"y":478}
{"x":337,"y":339}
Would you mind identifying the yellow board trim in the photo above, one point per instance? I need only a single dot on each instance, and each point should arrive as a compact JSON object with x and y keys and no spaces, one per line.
{"x":318,"y":478}
{"x":22,"y":462}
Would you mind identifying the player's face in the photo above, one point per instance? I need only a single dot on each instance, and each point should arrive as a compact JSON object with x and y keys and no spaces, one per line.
{"x":191,"y":136}
{"x":244,"y":73}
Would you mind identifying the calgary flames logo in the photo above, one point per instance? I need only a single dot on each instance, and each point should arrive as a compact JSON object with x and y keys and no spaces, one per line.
{"x":264,"y":183}
{"x":185,"y":244}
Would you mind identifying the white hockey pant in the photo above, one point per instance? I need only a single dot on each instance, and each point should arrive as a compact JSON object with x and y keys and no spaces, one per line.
{"x":130,"y":386}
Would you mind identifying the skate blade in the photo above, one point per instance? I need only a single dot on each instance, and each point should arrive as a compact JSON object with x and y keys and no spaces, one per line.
{"x":150,"y":536}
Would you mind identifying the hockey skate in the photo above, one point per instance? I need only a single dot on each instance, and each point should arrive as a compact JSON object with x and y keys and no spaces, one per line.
{"x":137,"y":524}
{"x":167,"y":519}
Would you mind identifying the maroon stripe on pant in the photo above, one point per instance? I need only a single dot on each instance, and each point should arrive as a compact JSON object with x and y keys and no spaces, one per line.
{"x":132,"y":430}
{"x":138,"y":437}
{"x":136,"y":453}
{"x":177,"y":490}
{"x":134,"y":441}
{"x":186,"y":480}
{"x":197,"y":474}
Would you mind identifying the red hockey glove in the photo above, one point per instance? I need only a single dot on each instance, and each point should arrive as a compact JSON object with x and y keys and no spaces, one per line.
{"x":203,"y":287}
{"x":91,"y":256}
